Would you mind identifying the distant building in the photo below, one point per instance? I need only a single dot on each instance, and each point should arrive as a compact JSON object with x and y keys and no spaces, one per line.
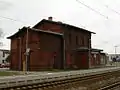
{"x":98,"y":58}
{"x":3,"y":56}
{"x":95,"y":57}
{"x":114,"y":57}
{"x":104,"y":58}
{"x":51,"y":44}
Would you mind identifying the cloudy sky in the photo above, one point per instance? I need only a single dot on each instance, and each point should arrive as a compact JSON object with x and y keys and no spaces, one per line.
{"x":104,"y":19}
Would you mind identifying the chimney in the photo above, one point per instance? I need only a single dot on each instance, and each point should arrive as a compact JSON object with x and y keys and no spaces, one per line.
{"x":50,"y":18}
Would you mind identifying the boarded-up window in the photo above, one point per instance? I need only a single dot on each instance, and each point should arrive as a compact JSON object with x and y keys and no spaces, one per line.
{"x":69,"y":38}
{"x":77,"y":42}
{"x":85,"y":41}
{"x":82,"y":41}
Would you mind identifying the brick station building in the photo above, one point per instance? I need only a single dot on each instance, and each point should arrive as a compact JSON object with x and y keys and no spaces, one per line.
{"x":51,"y":44}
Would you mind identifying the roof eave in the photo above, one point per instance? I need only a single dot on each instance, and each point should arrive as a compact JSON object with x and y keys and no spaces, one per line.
{"x":93,"y":32}
{"x":16,"y":33}
{"x":38,"y":30}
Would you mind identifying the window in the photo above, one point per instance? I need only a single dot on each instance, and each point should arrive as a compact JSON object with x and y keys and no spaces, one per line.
{"x":85,"y":41}
{"x":82,"y":41}
{"x":77,"y":42}
{"x":69,"y":38}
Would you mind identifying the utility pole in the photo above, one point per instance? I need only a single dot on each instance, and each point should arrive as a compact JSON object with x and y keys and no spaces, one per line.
{"x":89,"y":53}
{"x":64,"y":52}
{"x":19,"y":53}
{"x":115,"y":55}
{"x":116,"y":52}
{"x":115,"y":49}
{"x":27,"y":50}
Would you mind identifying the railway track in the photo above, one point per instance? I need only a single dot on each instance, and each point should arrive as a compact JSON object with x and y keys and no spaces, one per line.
{"x":89,"y":82}
{"x":114,"y":86}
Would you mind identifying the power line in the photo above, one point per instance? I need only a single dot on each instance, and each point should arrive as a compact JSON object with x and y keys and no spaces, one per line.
{"x":118,"y":13}
{"x":112,"y":9}
{"x":12,"y":19}
{"x":92,"y":9}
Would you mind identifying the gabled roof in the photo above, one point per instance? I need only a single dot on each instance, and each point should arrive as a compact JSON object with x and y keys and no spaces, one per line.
{"x":33,"y":29}
{"x":63,"y":24}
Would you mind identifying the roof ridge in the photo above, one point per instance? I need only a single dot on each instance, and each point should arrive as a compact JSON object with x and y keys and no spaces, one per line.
{"x":57,"y":22}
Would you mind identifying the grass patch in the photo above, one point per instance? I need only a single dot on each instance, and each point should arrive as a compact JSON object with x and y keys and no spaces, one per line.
{"x":6,"y":73}
{"x":55,"y":70}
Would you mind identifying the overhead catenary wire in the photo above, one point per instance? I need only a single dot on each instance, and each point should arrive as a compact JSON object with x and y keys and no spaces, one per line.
{"x":112,"y":10}
{"x":24,"y":22}
{"x":98,"y":11}
{"x":12,"y":19}
{"x":94,"y":10}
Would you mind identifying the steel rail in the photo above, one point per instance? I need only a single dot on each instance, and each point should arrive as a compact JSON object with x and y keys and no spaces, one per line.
{"x":84,"y":79}
{"x":111,"y":86}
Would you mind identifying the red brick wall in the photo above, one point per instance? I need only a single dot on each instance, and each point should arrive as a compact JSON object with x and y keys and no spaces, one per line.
{"x":14,"y":54}
{"x":48,"y":47}
{"x":43,"y":47}
{"x":81,"y":58}
{"x":50,"y":27}
{"x":83,"y":39}
{"x":77,"y":60}
{"x":18,"y":47}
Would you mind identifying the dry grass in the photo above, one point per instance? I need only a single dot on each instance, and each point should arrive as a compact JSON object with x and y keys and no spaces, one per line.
{"x":7,"y":73}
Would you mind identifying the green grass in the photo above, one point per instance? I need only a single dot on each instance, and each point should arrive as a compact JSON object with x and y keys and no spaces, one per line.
{"x":6,"y":73}
{"x":55,"y":70}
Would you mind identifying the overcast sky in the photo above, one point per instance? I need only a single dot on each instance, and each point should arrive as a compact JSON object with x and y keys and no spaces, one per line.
{"x":30,"y":12}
